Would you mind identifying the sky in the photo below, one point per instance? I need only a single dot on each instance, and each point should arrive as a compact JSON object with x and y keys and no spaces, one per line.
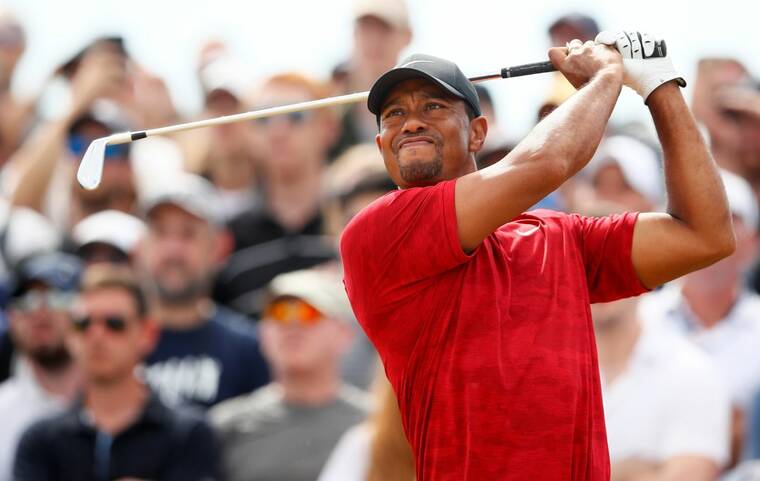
{"x":270,"y":36}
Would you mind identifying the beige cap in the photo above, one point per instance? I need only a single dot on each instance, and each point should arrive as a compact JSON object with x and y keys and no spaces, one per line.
{"x":321,"y":288}
{"x":392,"y":12}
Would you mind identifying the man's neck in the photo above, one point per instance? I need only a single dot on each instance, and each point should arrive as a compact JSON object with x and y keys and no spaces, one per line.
{"x":309,"y":389}
{"x":616,"y":344}
{"x":61,"y":383}
{"x":710,"y":305}
{"x":115,"y":406}
{"x":293,"y":202}
{"x":182,"y":316}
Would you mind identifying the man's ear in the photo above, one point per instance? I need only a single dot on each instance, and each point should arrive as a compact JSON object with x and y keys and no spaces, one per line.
{"x":478,"y":132}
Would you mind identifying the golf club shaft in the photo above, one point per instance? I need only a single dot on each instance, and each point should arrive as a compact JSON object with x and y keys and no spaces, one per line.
{"x":125,"y":137}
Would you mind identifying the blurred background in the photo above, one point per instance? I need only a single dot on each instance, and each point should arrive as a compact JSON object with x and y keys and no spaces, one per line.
{"x":194,"y":300}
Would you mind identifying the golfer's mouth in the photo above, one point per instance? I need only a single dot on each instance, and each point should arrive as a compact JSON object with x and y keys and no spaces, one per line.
{"x":417,"y":141}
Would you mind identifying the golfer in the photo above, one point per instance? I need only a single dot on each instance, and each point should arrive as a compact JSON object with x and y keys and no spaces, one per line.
{"x":480,"y":311}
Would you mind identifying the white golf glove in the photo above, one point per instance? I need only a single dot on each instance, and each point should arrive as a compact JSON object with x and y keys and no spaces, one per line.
{"x":647,"y":65}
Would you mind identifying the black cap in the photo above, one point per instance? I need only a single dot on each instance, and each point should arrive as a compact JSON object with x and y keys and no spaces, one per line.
{"x":442,"y":72}
{"x":56,"y":270}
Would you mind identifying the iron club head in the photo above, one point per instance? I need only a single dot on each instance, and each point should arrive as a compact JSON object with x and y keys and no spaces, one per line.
{"x":91,"y":168}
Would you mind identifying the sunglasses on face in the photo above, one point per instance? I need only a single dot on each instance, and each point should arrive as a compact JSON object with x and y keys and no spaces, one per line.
{"x":295,"y":118}
{"x":292,"y":311}
{"x":34,"y":300}
{"x":113,"y":323}
{"x":78,"y":145}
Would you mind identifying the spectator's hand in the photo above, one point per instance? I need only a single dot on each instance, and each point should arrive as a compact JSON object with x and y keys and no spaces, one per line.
{"x":579,"y":62}
{"x":100,"y":74}
{"x":647,"y":66}
{"x":147,"y":101}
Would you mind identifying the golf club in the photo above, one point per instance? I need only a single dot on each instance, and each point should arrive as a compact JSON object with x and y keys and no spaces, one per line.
{"x":91,"y":167}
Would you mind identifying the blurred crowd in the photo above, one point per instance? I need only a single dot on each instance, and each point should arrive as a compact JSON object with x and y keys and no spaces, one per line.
{"x":186,"y":320}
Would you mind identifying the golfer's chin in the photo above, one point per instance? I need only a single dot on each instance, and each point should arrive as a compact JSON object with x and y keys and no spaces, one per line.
{"x":417,"y":171}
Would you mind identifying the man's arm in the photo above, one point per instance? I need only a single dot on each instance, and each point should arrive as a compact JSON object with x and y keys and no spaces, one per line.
{"x":697,"y":230}
{"x":557,"y":148}
{"x":678,"y":468}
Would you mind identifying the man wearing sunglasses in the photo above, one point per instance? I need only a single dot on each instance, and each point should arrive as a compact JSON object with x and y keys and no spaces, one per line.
{"x":285,"y":431}
{"x":118,"y":429}
{"x":45,"y":379}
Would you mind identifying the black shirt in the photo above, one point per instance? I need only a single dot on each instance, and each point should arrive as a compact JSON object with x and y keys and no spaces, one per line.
{"x":162,"y":445}
{"x":264,"y":249}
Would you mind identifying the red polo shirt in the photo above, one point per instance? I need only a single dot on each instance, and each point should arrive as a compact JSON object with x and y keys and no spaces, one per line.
{"x":492,"y":354}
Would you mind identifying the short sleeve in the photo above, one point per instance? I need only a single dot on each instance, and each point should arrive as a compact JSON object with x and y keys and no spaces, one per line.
{"x":606,"y":245}
{"x":401,"y":238}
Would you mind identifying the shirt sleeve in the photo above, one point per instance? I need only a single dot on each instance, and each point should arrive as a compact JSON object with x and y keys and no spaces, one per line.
{"x":606,"y":244}
{"x":32,"y":461}
{"x":198,"y":451}
{"x":400,"y":239}
{"x":350,"y":458}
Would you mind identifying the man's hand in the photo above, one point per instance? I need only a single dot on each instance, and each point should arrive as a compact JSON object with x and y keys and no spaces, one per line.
{"x":579,"y":62}
{"x":647,"y":65}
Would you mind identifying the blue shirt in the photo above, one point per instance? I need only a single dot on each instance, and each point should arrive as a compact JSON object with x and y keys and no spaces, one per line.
{"x":207,"y":364}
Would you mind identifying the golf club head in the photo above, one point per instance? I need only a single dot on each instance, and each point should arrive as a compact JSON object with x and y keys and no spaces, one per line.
{"x":91,"y":168}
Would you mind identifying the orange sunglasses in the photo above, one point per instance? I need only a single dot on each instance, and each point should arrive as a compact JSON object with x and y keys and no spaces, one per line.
{"x":288,"y":311}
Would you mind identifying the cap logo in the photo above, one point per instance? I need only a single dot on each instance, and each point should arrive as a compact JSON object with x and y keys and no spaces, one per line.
{"x":415,"y":61}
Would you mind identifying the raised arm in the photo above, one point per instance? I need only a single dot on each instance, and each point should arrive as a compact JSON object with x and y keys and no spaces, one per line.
{"x":557,"y":148}
{"x":697,"y":230}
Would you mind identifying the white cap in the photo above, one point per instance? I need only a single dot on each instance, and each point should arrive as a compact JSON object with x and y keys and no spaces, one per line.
{"x":392,"y":12}
{"x":638,"y":162}
{"x":741,"y":199}
{"x":111,"y":227}
{"x":27,"y":232}
{"x":321,"y":288}
{"x":191,"y":193}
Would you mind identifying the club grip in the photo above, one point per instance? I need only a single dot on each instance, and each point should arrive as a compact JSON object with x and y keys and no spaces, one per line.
{"x":527,"y":69}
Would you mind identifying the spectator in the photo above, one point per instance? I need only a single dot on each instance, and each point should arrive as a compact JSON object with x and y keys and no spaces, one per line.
{"x":354,"y":180}
{"x":15,"y":114}
{"x":45,"y":380}
{"x":666,"y":411}
{"x":284,"y":231}
{"x":285,"y":431}
{"x":381,"y":31}
{"x":376,"y":450}
{"x":107,"y":236}
{"x":571,"y":26}
{"x":727,"y":101}
{"x":223,"y":153}
{"x":496,"y":146}
{"x":118,"y":429}
{"x":206,"y":353}
{"x":714,"y":309}
{"x":24,"y":233}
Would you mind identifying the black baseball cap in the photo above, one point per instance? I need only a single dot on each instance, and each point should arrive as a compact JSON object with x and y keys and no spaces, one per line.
{"x":442,"y":72}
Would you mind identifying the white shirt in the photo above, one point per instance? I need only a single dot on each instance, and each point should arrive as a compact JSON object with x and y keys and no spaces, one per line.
{"x":733,"y":343}
{"x":668,"y":402}
{"x":349,"y":460}
{"x":22,"y":402}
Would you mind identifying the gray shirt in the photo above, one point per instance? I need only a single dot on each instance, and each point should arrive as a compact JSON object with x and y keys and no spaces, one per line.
{"x":263,"y":438}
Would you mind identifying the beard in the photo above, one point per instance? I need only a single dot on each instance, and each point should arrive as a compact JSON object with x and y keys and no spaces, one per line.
{"x":190,"y":289}
{"x":50,"y":358}
{"x":421,"y":171}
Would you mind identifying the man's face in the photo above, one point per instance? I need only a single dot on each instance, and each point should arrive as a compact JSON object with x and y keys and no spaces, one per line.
{"x":296,"y":345}
{"x":377,"y":44}
{"x":107,"y":338}
{"x":426,"y":136}
{"x":179,"y":254}
{"x":610,"y":185}
{"x":38,"y":324}
{"x":292,"y":143}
